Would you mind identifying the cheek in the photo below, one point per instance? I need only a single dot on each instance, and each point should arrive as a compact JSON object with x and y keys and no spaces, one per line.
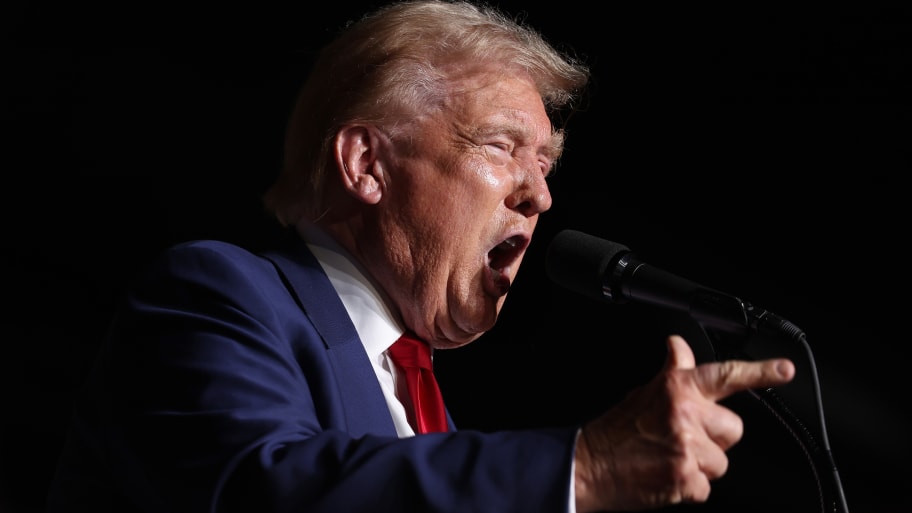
{"x":463,"y":203}
{"x":491,"y":176}
{"x":480,"y":191}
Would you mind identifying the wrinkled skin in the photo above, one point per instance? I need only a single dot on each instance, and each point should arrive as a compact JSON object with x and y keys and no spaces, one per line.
{"x":666,"y":440}
{"x":424,"y":219}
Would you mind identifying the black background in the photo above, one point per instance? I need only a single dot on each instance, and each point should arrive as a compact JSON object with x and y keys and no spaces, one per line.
{"x":759,"y":150}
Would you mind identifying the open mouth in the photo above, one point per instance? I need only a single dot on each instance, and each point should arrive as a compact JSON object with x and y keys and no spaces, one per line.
{"x":501,"y":259}
{"x":504,"y":254}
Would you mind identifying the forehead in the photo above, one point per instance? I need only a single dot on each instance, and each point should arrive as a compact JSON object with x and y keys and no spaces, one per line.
{"x":487,"y":88}
{"x":497,"y":101}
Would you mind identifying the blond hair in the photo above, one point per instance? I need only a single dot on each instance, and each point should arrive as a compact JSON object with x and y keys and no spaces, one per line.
{"x":394,"y":64}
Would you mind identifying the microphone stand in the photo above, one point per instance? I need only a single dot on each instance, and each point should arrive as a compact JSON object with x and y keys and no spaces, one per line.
{"x":730,"y":325}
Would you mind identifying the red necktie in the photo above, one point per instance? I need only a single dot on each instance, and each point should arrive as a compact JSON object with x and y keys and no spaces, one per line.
{"x":413,"y":356}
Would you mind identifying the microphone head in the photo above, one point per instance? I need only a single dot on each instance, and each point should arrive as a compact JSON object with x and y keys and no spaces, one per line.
{"x":579,"y":262}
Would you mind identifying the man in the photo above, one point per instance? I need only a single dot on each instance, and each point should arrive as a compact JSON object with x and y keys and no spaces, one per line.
{"x":415,"y":173}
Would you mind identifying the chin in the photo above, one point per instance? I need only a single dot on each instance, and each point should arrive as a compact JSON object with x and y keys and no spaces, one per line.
{"x":467,"y":321}
{"x":470,"y":333}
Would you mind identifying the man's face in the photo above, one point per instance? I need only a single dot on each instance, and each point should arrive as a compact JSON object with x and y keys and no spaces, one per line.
{"x":463,"y":199}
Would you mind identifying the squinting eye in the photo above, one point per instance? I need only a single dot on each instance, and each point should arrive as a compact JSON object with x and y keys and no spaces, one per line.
{"x":499,"y":153}
{"x":547,"y":169}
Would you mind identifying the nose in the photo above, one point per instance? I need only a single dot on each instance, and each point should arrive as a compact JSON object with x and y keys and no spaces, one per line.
{"x":531,"y":195}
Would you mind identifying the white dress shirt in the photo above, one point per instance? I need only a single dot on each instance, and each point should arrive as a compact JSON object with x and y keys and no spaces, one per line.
{"x":376,"y":326}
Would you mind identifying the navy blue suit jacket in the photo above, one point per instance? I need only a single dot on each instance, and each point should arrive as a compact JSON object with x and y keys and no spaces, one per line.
{"x":234,"y":381}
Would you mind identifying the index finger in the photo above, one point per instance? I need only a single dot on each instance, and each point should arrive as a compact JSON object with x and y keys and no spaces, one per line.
{"x":718,"y":380}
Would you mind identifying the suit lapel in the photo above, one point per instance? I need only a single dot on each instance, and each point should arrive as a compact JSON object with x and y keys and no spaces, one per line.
{"x":361,"y":398}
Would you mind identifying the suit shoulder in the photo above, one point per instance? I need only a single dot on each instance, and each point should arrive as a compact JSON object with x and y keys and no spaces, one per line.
{"x":211,"y":252}
{"x":211,"y":261}
{"x":210,"y":247}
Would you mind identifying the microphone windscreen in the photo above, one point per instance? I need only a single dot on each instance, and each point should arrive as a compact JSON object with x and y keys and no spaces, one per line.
{"x":578,"y":261}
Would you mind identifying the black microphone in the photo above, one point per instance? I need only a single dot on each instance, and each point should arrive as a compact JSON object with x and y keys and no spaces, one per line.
{"x":609,"y":271}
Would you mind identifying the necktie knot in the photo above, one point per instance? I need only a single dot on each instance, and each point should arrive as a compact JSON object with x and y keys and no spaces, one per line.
{"x":409,"y":351}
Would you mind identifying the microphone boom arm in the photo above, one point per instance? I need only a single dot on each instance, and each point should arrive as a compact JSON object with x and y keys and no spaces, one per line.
{"x":709,"y":307}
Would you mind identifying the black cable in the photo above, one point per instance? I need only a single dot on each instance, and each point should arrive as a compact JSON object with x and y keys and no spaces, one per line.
{"x":808,"y":442}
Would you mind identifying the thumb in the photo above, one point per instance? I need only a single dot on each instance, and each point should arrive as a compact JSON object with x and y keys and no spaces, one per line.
{"x":680,"y":355}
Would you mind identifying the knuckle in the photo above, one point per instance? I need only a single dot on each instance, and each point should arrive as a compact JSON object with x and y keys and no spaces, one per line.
{"x":728,"y":374}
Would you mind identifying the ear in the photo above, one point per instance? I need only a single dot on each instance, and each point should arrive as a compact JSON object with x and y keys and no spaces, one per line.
{"x":356,"y":150}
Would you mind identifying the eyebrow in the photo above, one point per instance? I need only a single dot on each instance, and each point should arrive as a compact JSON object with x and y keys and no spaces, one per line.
{"x":517,"y":131}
